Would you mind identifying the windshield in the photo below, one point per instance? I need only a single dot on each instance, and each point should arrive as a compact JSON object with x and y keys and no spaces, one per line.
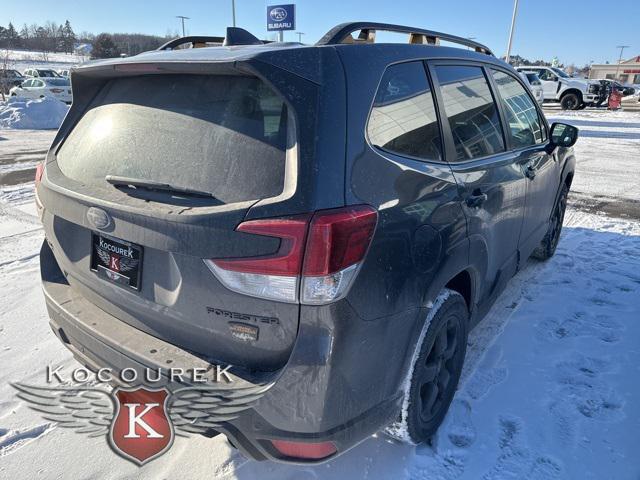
{"x":48,"y":73}
{"x":559,"y":72}
{"x":58,"y":82}
{"x":225,"y":135}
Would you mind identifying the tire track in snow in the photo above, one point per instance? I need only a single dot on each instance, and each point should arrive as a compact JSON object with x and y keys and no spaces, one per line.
{"x":13,"y":440}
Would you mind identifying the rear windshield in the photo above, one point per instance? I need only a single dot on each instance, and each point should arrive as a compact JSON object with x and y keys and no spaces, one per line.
{"x":47,"y":73}
{"x":226,"y":135}
{"x":58,"y":82}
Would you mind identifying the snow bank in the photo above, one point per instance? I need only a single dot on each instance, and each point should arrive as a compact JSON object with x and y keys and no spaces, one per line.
{"x":43,"y":113}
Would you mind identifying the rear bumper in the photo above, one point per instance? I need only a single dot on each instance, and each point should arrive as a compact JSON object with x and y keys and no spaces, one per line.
{"x":312,"y":399}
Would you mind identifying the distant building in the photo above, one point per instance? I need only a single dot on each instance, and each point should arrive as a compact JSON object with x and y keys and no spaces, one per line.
{"x":628,"y":71}
{"x":83,"y":49}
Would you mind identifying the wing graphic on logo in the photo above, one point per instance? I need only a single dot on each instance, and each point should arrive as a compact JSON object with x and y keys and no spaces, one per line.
{"x":85,"y":409}
{"x":127,"y":264}
{"x":103,"y":254}
{"x":199,"y":409}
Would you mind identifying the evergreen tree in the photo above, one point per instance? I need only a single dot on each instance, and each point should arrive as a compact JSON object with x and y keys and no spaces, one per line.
{"x":104,"y":47}
{"x":68,"y":36}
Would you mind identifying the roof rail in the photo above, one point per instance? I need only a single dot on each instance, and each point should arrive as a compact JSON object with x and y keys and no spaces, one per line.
{"x":342,"y":32}
{"x":234,"y":36}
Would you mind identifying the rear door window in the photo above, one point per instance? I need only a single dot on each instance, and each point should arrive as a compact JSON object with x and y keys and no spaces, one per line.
{"x":403,"y":119}
{"x":471,"y":111}
{"x":225,"y":135}
{"x":521,"y":114}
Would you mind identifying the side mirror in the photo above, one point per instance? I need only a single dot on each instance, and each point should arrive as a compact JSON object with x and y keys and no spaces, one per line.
{"x":563,"y":135}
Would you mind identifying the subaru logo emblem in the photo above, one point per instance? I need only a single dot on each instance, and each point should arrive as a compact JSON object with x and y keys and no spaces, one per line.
{"x":278,"y":14}
{"x":98,"y":218}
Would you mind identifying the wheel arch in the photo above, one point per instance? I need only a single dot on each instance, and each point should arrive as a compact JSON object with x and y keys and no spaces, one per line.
{"x":571,"y":90}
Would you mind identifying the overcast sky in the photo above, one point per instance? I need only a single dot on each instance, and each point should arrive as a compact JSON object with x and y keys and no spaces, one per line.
{"x":574,"y":31}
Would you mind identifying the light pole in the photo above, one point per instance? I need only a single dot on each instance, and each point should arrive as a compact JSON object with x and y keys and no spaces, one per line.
{"x":513,"y":24}
{"x":621,"y":47}
{"x":182,"y":18}
{"x":233,"y":12}
{"x":300,"y":36}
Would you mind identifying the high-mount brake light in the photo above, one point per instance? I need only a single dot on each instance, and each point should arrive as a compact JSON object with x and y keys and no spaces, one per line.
{"x":316,"y":262}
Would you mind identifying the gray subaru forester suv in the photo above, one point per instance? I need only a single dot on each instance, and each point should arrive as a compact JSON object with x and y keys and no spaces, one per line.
{"x":328,"y":220}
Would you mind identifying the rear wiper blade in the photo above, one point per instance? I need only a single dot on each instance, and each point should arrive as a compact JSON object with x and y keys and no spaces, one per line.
{"x":119,"y":181}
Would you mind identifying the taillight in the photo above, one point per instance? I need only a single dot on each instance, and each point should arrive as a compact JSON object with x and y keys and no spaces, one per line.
{"x":39,"y":172}
{"x":275,"y":276}
{"x":57,"y":90}
{"x":338,"y":240}
{"x":37,"y":180}
{"x":307,"y":451}
{"x":317,"y":271}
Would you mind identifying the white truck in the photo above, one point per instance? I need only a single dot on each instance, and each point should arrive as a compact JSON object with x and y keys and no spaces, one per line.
{"x":572,"y":93}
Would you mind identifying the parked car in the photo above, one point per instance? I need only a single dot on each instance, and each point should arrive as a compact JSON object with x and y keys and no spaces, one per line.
{"x":626,"y":90}
{"x":572,"y":93}
{"x":9,"y":78}
{"x":58,"y":88}
{"x":535,"y":85}
{"x":41,"y":72}
{"x":331,"y":221}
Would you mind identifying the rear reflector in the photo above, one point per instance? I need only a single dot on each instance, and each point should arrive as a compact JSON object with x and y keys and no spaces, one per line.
{"x":308,"y":451}
{"x":325,"y":264}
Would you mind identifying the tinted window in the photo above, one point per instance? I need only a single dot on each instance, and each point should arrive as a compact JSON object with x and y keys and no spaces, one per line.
{"x":403,"y":119}
{"x":46,"y":73}
{"x":220,"y":134}
{"x":520,"y":112}
{"x":471,"y":112}
{"x":547,"y":75}
{"x":58,"y":82}
{"x":533,"y":79}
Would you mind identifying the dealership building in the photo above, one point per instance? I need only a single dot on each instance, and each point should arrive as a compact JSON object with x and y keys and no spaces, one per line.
{"x":627,"y":72}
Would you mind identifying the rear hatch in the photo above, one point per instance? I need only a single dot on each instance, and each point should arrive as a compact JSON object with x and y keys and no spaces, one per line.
{"x":175,"y":161}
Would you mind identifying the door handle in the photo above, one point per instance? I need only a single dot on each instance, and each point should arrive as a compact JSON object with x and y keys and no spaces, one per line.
{"x":530,"y":172}
{"x":476,"y":199}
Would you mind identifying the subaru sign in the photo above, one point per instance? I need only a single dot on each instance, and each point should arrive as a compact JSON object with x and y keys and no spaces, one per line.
{"x":281,"y":17}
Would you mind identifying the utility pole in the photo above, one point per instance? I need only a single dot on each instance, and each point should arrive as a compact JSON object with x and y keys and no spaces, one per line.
{"x":182,"y":18}
{"x":513,"y":25}
{"x":300,"y":36}
{"x":621,"y":47}
{"x":233,"y":12}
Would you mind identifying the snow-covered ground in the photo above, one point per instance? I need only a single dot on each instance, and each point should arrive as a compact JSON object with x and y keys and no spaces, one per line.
{"x":551,"y":382}
{"x":23,"y":59}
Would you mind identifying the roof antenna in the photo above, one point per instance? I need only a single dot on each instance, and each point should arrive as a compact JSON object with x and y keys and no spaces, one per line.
{"x":239,"y":36}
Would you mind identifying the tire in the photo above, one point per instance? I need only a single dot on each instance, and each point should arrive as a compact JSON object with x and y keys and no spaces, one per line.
{"x":582,"y":106}
{"x":547,"y":247}
{"x":435,"y":370}
{"x":570,"y":101}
